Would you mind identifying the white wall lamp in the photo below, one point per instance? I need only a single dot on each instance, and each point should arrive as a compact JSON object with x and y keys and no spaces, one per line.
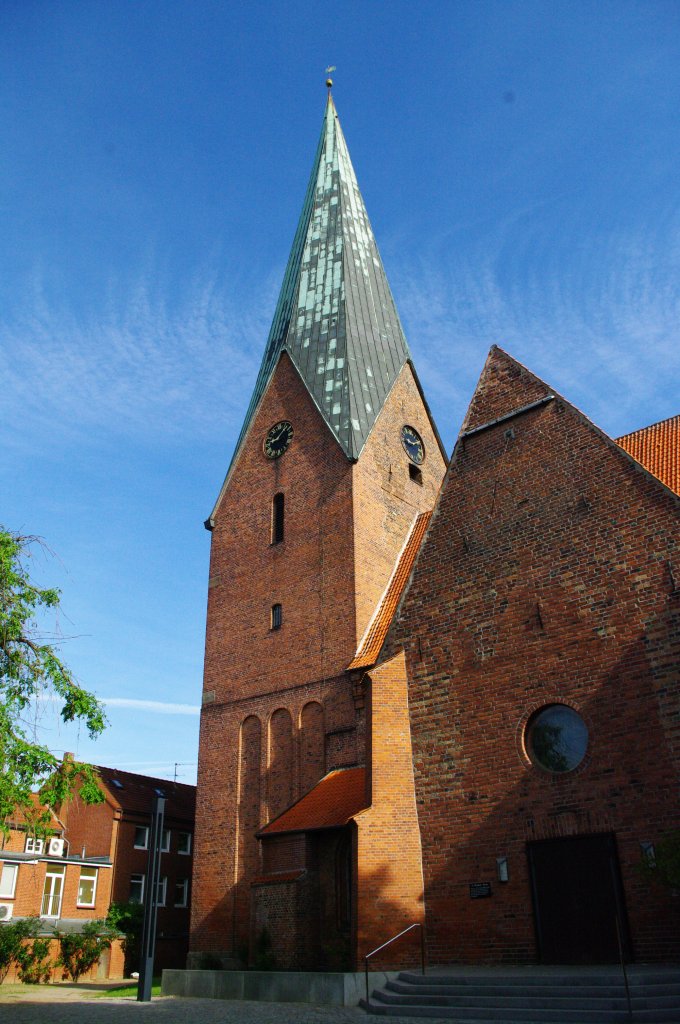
{"x":648,"y":854}
{"x":502,"y":869}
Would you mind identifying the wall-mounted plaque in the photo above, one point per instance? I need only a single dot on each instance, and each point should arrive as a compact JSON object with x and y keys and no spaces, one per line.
{"x":478,"y":890}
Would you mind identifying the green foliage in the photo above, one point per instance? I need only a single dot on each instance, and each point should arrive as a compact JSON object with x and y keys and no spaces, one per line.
{"x":12,"y":936}
{"x":546,"y":742}
{"x":32,"y":955}
{"x":129,"y":991}
{"x":30,"y":668}
{"x":80,"y":951}
{"x":128,"y":920}
{"x":665,"y":868}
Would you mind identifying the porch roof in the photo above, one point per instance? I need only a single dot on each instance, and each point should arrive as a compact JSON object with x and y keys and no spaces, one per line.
{"x":333,"y":802}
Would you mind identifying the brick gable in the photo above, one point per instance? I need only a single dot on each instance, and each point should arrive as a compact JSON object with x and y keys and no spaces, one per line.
{"x":547,"y":577}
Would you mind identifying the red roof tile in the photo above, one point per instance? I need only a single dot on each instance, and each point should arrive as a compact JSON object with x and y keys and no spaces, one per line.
{"x":374,"y":637}
{"x":333,"y":802}
{"x":21,"y":818}
{"x":657,"y":448}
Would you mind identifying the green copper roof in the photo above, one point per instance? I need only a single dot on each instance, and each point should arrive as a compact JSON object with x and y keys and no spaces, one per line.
{"x":335,"y":316}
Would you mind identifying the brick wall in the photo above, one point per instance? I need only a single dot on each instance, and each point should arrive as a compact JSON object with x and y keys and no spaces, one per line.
{"x":237,"y":777}
{"x":386,"y":499}
{"x":89,"y":827}
{"x":390,"y":877}
{"x":344,"y":527}
{"x":546,"y":577}
{"x":110,"y":966}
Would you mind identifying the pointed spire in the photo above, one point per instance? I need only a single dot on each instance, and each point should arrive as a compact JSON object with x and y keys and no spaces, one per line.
{"x":335,"y":316}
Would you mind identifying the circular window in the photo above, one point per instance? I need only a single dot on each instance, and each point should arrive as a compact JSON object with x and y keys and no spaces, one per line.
{"x":556,"y":738}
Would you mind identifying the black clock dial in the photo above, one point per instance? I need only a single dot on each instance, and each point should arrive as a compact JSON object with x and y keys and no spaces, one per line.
{"x":278,"y":438}
{"x":413,"y":444}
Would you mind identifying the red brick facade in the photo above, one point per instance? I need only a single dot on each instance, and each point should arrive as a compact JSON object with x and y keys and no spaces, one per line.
{"x":110,"y":829}
{"x":547,"y":577}
{"x":279,"y":709}
{"x":41,"y":880}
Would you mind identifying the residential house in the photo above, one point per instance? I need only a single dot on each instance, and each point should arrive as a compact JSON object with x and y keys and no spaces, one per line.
{"x":118,"y":829}
{"x":57,"y":883}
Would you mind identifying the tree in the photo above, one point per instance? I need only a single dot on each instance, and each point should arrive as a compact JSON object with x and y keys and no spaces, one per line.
{"x":30,"y":668}
{"x":80,"y":951}
{"x":12,"y":938}
{"x":128,"y":919}
{"x":32,"y":952}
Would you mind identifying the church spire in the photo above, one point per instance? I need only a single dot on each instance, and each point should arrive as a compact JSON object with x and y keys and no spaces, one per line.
{"x":335,"y":316}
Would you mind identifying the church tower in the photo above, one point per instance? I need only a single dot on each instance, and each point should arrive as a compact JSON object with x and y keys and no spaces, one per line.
{"x":337,"y":458}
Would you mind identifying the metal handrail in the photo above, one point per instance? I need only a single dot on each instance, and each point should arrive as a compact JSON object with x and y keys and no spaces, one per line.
{"x":394,"y":939}
{"x":623,"y":966}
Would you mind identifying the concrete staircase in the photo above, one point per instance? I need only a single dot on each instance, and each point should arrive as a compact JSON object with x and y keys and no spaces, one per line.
{"x":547,"y":995}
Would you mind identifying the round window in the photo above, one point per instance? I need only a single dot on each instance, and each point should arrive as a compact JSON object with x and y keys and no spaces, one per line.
{"x":556,"y":738}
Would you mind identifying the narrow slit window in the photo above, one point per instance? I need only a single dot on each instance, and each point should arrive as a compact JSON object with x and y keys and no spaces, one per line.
{"x":415,"y":473}
{"x":276,"y":616}
{"x":277,"y":518}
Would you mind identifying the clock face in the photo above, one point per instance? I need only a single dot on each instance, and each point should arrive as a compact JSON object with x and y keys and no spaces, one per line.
{"x":278,"y":438}
{"x":413,"y":444}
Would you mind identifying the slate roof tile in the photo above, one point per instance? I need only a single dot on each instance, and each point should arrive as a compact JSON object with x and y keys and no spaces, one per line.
{"x":136,"y":793}
{"x":335,"y":316}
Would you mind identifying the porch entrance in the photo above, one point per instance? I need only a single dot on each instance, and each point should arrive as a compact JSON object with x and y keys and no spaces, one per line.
{"x":577,"y":896}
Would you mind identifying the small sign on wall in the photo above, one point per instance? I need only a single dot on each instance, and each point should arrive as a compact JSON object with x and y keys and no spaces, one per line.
{"x":478,"y":890}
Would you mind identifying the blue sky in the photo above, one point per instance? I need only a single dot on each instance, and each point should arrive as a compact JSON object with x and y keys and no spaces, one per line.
{"x":519,"y":162}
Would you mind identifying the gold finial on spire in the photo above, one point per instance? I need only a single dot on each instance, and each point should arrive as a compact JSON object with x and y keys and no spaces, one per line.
{"x":329,"y":81}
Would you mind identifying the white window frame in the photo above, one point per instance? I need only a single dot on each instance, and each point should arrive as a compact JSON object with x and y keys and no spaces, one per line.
{"x":141,"y":879}
{"x":162,"y":893}
{"x":34,"y":845}
{"x":8,"y":871}
{"x":183,"y":884}
{"x":145,"y":844}
{"x":184,"y":838}
{"x":94,"y":878}
{"x":52,"y":874}
{"x":165,"y":840}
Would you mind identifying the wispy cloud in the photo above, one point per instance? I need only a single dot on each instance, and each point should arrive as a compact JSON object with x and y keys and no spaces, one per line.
{"x":158,"y":707}
{"x":596,"y":315}
{"x":155,"y":706}
{"x":147,"y":362}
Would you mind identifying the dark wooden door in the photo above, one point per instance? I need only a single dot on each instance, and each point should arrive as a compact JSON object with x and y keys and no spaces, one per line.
{"x":577,"y":896}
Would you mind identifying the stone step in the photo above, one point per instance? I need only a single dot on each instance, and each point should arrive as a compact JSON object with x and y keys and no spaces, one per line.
{"x":512,"y":991}
{"x":657,"y":995}
{"x":532,"y":996}
{"x":548,"y":1000}
{"x":482,"y":1015}
{"x":504,"y":1001}
{"x":667,"y":1016}
{"x":524,"y":977}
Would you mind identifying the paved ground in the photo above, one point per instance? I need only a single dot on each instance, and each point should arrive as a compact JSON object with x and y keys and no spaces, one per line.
{"x":89,"y":1004}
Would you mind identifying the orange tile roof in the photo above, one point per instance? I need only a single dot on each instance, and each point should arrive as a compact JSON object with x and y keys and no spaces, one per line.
{"x":21,"y":819}
{"x":657,"y":448}
{"x":333,"y":802}
{"x":374,"y":637}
